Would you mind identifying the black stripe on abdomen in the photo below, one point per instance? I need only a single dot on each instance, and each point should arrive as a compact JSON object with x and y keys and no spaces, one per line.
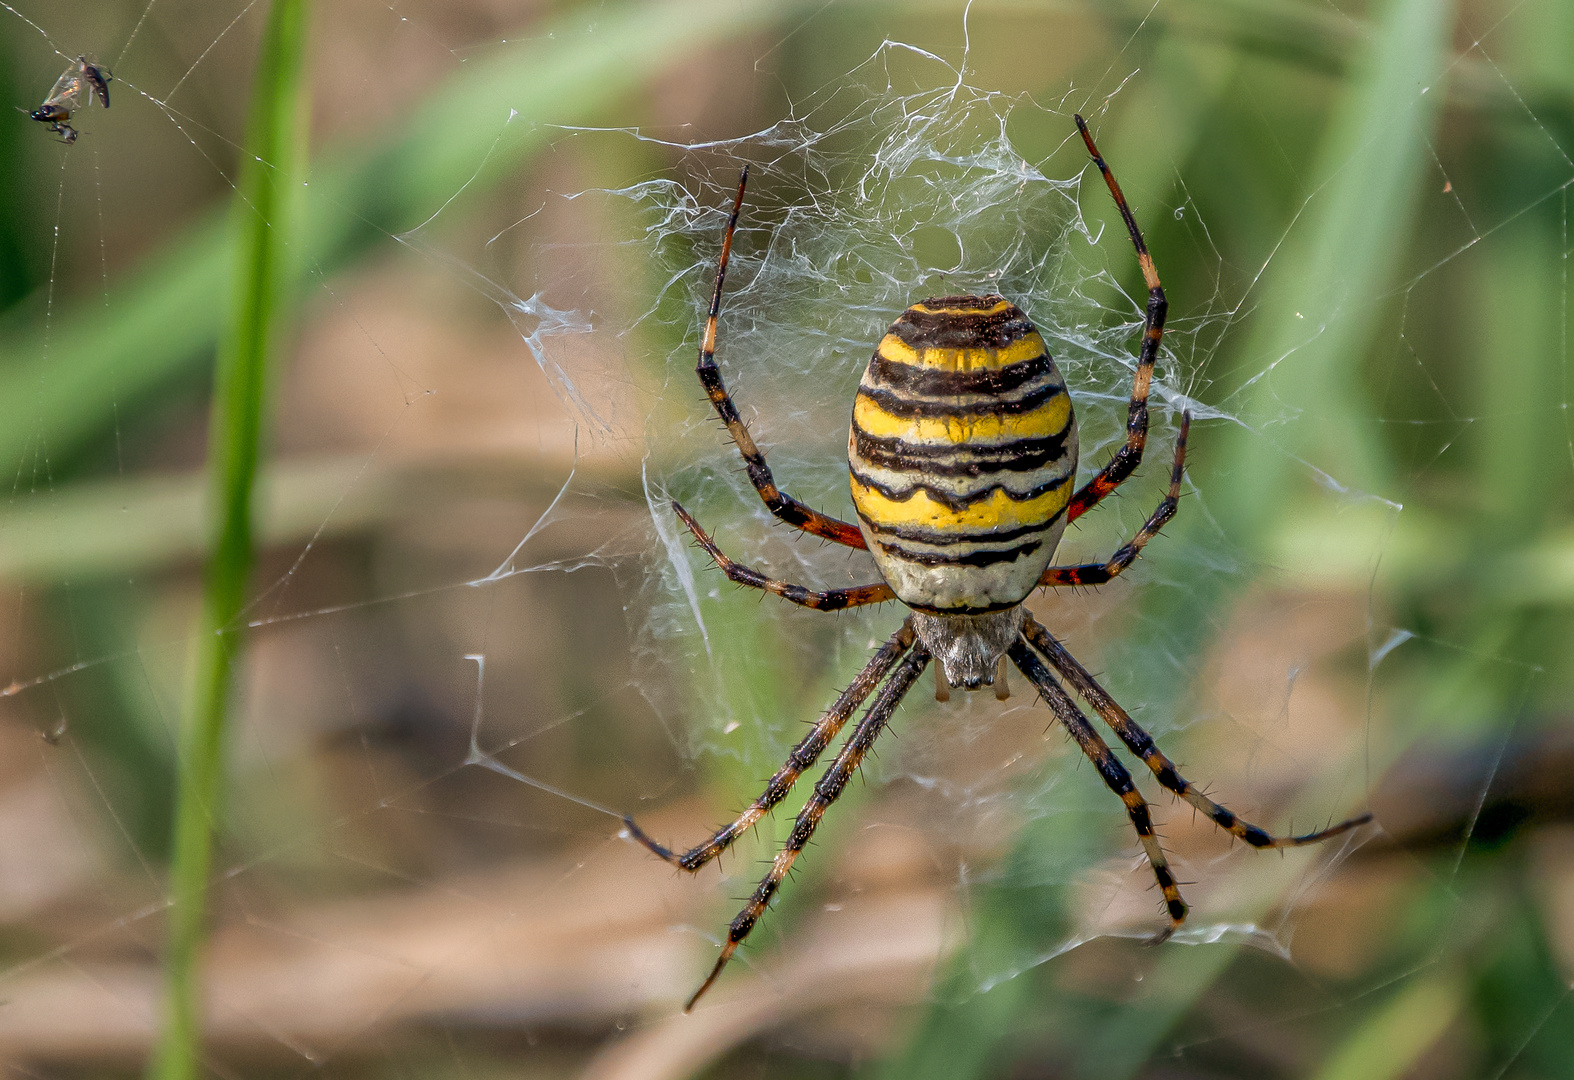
{"x":906,"y":378}
{"x":951,"y":500}
{"x":972,"y":557}
{"x":962,"y":329}
{"x":958,"y":459}
{"x":922,"y":408}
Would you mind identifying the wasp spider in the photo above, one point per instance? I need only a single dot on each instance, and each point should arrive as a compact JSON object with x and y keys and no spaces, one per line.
{"x":962,"y":454}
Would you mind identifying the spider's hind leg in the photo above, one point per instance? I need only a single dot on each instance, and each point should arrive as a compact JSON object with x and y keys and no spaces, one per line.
{"x":1129,"y":456}
{"x":826,"y":791}
{"x":1113,"y":773}
{"x":1099,"y":573}
{"x":830,"y":600}
{"x":803,"y":756}
{"x":1139,"y":742}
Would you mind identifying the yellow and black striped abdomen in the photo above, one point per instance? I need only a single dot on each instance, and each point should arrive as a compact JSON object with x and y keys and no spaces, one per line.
{"x":963,"y":451}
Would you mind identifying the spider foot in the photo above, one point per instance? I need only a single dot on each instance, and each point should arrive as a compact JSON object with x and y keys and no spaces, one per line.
{"x":721,"y":961}
{"x":666,"y":854}
{"x":1163,"y":935}
{"x":1322,"y":834}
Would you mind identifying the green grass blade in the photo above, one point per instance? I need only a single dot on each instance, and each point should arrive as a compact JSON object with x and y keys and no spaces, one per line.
{"x":261,"y":281}
{"x":1321,"y":299}
{"x":1393,"y":1039}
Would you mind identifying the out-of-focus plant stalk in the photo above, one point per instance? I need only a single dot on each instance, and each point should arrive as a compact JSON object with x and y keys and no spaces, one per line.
{"x":270,"y":174}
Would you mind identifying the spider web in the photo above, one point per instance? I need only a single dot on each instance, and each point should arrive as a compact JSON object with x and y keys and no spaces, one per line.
{"x":533,"y":649}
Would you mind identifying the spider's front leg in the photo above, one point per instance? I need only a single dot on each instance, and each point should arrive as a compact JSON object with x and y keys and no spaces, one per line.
{"x":1129,"y":456}
{"x":803,"y":756}
{"x":778,"y":502}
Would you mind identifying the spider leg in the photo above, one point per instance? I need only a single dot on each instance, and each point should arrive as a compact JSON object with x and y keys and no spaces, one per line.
{"x":781,"y":504}
{"x":826,"y":791}
{"x":831,"y":600}
{"x":1129,"y":456}
{"x":1099,"y":573}
{"x":803,"y":756}
{"x":1139,"y":742}
{"x":1114,"y":773}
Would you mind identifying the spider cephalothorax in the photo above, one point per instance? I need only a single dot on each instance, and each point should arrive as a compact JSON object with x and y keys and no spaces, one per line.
{"x":962,"y":455}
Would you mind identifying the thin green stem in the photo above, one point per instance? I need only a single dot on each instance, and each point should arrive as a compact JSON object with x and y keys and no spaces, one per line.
{"x":263,"y":203}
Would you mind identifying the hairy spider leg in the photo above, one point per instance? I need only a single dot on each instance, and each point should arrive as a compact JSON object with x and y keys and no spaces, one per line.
{"x":830,"y":600}
{"x":1129,"y":456}
{"x":1113,"y":773}
{"x":1099,"y":573}
{"x":826,"y":791}
{"x":803,"y":756}
{"x":778,"y":502}
{"x":1140,"y":743}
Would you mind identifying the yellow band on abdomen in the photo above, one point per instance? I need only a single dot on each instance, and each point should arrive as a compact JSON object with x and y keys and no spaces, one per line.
{"x":898,"y":351}
{"x":998,"y":511}
{"x":1048,"y":419}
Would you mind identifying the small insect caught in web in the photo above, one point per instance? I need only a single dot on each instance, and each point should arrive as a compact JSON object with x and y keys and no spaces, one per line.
{"x":65,"y":97}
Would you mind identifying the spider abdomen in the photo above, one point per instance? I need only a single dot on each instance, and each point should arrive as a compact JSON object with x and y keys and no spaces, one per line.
{"x":962,"y":452}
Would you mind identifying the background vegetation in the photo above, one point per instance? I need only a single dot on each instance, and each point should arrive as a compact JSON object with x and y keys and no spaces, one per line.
{"x":1361,"y":214}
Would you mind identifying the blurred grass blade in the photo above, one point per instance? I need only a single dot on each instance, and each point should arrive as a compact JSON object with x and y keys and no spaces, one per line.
{"x":1322,"y":299}
{"x":1392,"y":1041}
{"x":261,"y":281}
{"x":159,"y":322}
